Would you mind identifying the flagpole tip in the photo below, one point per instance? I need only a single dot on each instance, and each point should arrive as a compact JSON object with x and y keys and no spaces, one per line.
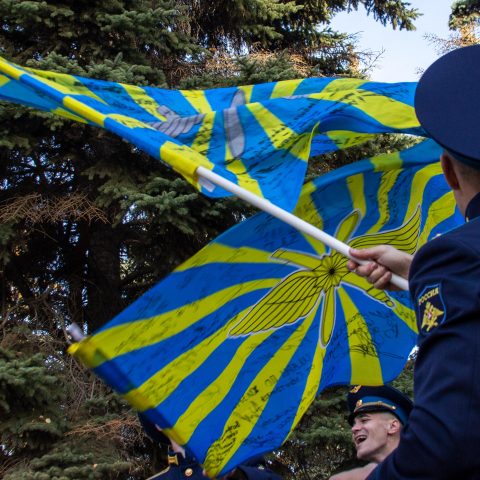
{"x":75,"y":332}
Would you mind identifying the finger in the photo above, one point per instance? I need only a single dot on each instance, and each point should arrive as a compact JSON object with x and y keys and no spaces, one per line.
{"x":371,"y":253}
{"x":352,"y":266}
{"x":362,"y":254}
{"x":366,"y":270}
{"x":384,"y":281}
{"x":377,"y":274}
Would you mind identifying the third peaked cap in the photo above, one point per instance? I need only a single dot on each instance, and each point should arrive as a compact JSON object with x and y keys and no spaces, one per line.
{"x":447,"y":103}
{"x":362,"y":399}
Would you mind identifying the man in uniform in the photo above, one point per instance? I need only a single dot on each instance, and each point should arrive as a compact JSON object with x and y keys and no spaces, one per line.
{"x":183,"y":467}
{"x":442,"y":438}
{"x":377,"y":416}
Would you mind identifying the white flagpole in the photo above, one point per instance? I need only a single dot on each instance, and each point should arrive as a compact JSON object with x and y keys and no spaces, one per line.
{"x":206,"y":176}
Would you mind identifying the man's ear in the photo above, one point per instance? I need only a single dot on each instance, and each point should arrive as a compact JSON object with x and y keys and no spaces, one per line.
{"x":449,"y":171}
{"x":394,"y":426}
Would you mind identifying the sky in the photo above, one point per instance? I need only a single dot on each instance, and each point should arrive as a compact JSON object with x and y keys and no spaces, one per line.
{"x":404,"y":52}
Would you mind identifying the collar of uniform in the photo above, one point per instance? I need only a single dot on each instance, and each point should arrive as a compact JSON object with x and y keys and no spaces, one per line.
{"x":174,"y":458}
{"x":473,"y":208}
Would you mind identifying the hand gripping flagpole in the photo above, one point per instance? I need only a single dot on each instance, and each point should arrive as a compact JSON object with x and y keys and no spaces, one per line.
{"x":206,"y":176}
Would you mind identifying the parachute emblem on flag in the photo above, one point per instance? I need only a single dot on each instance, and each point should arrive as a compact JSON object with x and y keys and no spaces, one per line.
{"x":300,"y":292}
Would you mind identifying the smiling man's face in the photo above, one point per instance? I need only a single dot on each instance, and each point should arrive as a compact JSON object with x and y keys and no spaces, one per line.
{"x":372,"y":435}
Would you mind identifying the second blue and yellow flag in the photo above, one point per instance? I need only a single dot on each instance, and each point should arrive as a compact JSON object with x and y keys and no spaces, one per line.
{"x":227,"y":353}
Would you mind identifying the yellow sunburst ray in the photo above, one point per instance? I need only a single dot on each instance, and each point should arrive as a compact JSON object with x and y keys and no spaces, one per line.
{"x":347,"y":226}
{"x":438,"y":211}
{"x":361,"y":347}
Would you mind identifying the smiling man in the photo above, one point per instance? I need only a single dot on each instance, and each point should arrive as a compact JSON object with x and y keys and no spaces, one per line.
{"x":377,"y":416}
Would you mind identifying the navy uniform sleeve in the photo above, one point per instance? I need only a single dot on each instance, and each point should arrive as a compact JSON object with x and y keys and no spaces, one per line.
{"x":441,"y":439}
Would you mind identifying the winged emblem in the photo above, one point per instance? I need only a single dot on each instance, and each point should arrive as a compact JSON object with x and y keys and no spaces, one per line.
{"x":318,"y":277}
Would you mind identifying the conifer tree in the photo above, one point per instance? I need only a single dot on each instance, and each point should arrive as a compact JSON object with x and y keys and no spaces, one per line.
{"x":464,"y":24}
{"x":465,"y":13}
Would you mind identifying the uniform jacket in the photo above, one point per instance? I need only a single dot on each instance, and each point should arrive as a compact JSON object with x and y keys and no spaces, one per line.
{"x":442,"y":439}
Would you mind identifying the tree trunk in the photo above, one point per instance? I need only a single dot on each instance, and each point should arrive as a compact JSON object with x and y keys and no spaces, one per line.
{"x":103,"y":276}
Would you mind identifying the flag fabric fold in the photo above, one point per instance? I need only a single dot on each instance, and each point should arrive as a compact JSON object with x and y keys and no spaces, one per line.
{"x":227,"y":352}
{"x":255,"y":135}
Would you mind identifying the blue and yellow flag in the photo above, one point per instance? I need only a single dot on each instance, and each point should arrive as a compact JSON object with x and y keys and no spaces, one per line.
{"x":255,"y":136}
{"x":227,"y":353}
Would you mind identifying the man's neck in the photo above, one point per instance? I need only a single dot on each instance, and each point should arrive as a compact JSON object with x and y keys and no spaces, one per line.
{"x":382,"y":454}
{"x":472,"y":209}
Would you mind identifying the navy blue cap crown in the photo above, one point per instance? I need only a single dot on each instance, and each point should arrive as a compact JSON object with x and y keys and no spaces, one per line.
{"x":447,"y":103}
{"x":362,"y":399}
